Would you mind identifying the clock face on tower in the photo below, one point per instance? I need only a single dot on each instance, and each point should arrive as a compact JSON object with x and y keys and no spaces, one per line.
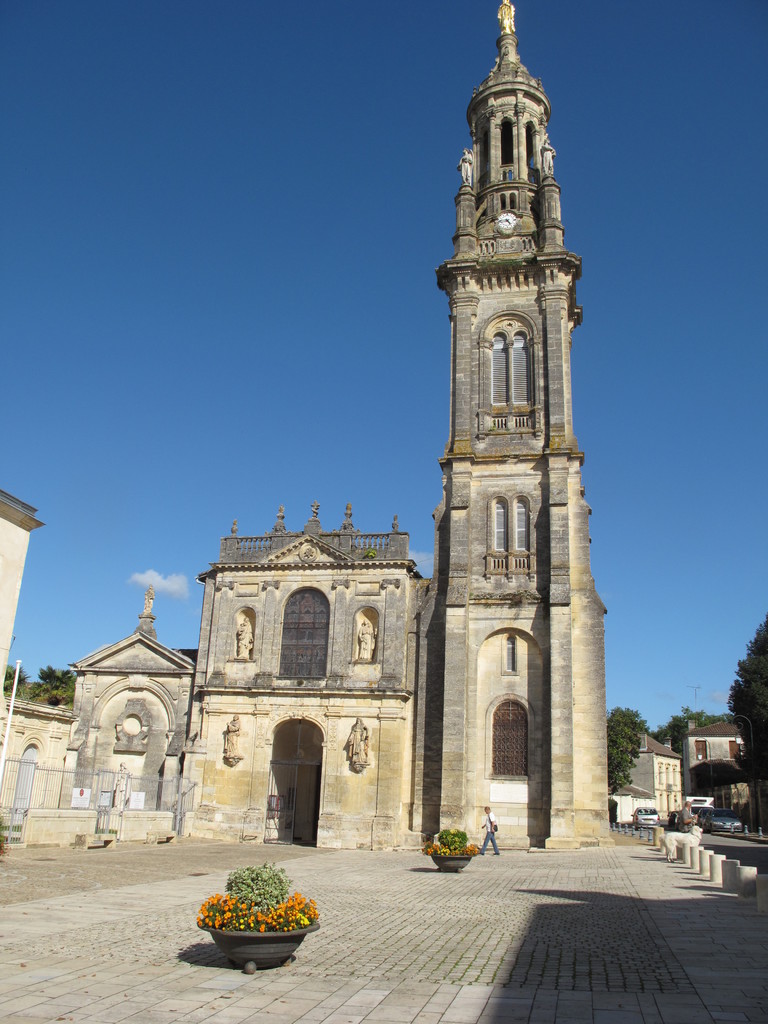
{"x":505,"y":223}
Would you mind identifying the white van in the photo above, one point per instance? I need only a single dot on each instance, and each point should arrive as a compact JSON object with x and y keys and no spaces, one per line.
{"x":700,"y":801}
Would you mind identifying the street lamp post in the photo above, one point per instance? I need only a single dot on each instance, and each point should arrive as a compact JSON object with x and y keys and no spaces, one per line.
{"x":743,"y":718}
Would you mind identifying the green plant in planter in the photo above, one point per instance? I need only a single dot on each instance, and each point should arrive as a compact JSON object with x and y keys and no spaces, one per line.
{"x":451,"y":842}
{"x":262,"y":887}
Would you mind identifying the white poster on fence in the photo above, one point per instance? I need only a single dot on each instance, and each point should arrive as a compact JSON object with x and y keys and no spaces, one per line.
{"x":81,"y":798}
{"x":136,"y":801}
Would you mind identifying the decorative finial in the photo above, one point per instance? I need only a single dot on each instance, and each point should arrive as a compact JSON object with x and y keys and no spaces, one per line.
{"x":233,"y":531}
{"x":279,"y":526}
{"x":507,"y":18}
{"x":348,"y":526}
{"x":315,"y":509}
{"x":395,"y":525}
{"x":149,"y":597}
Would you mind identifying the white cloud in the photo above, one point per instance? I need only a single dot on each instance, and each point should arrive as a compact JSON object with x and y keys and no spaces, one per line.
{"x":176,"y":585}
{"x":424,"y":562}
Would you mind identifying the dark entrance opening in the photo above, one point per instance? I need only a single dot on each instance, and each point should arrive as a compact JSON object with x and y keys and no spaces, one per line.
{"x":293,"y":800}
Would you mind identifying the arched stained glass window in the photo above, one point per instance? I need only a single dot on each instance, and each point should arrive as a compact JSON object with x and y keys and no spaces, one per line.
{"x":304,"y":648}
{"x":510,"y":739}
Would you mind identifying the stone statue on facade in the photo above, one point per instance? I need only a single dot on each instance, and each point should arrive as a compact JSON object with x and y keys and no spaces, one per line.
{"x":233,"y":531}
{"x":122,"y":786}
{"x":465,"y":166}
{"x":548,"y":155}
{"x":366,"y":641}
{"x":244,"y":638}
{"x":357,"y":746}
{"x":149,"y":597}
{"x":232,"y":741}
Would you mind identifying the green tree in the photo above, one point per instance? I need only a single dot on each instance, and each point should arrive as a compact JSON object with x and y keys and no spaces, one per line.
{"x":10,"y":672}
{"x":625,"y":732}
{"x":749,"y":697}
{"x":677,"y":727}
{"x":55,"y":686}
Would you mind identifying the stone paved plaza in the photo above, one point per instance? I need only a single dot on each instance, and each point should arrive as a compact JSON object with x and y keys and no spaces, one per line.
{"x":604,"y":935}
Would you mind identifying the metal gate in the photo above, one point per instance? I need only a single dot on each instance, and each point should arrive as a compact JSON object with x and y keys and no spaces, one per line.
{"x":281,"y":802}
{"x":185,"y":797}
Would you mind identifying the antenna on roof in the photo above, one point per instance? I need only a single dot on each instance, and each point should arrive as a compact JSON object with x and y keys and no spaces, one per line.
{"x":695,"y":693}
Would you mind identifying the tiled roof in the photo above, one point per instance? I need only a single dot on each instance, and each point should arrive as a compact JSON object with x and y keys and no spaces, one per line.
{"x":652,"y":746}
{"x":636,"y":792}
{"x":718,"y":729}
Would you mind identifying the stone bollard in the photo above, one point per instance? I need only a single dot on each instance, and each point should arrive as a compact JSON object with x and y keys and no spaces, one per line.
{"x":716,"y":868}
{"x":747,"y":882}
{"x":761,"y":891}
{"x":704,"y":856}
{"x":731,"y":875}
{"x":690,"y":853}
{"x":658,"y":832}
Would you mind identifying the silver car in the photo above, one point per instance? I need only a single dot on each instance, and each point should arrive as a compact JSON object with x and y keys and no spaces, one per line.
{"x":646,"y":816}
{"x":722,"y":819}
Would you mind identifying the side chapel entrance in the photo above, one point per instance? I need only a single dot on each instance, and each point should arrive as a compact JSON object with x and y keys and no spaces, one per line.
{"x":293,"y":800}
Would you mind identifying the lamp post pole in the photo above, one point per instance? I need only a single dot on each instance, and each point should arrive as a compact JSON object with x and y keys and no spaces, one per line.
{"x":743,"y":718}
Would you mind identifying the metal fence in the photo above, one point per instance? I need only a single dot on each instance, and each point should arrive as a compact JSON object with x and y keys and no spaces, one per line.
{"x":27,"y":786}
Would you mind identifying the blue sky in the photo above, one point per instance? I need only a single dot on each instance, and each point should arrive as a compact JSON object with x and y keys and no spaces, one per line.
{"x":219,"y":228}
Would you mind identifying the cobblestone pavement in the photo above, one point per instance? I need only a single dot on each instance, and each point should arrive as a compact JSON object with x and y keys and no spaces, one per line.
{"x":614,"y":936}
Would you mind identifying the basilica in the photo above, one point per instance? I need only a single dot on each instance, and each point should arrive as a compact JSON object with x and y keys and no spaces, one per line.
{"x":337,"y":698}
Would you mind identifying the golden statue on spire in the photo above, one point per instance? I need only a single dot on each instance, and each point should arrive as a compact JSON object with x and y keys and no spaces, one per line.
{"x":507,"y":17}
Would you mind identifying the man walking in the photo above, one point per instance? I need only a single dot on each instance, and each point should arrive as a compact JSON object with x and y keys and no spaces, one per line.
{"x":491,"y":828}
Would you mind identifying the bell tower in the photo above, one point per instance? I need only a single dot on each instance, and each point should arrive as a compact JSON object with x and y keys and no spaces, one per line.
{"x":515,"y":709}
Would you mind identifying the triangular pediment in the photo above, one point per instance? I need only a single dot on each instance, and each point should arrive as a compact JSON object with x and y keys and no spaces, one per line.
{"x":136,"y":653}
{"x":308,"y":551}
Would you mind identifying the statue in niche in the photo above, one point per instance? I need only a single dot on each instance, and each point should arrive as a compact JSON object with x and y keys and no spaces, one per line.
{"x":465,"y":166}
{"x":366,"y":640}
{"x":149,"y":597}
{"x":244,"y":638}
{"x":548,"y":155}
{"x":357,"y":746}
{"x":232,"y":741}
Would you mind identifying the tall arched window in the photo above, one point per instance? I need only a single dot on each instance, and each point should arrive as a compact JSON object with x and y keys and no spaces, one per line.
{"x":507,"y":144}
{"x":499,"y":374}
{"x":499,"y":525}
{"x":510,"y":739}
{"x":522,"y":521}
{"x":304,"y":649}
{"x":521,"y":392}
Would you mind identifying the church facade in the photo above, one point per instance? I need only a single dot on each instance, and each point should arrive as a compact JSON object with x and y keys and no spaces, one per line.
{"x":338,"y":698}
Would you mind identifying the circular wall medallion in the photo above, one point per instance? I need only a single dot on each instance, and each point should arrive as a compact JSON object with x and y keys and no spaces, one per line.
{"x":308,"y":552}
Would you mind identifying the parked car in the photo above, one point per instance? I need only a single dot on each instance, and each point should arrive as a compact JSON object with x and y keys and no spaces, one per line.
{"x":645,"y":816}
{"x":722,"y":819}
{"x":702,"y":813}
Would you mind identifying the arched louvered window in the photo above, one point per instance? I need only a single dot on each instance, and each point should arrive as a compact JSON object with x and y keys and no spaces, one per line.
{"x":500,"y":374}
{"x":499,"y":525}
{"x":522,"y":529}
{"x":304,"y":649}
{"x":507,"y":144}
{"x":521,"y":394}
{"x":510,"y":739}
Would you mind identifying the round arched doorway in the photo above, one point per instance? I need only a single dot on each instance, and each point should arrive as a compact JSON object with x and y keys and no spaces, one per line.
{"x":293,"y":800}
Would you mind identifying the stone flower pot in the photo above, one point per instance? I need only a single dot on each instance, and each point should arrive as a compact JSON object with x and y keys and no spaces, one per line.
{"x":255,"y":951}
{"x":452,"y":863}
